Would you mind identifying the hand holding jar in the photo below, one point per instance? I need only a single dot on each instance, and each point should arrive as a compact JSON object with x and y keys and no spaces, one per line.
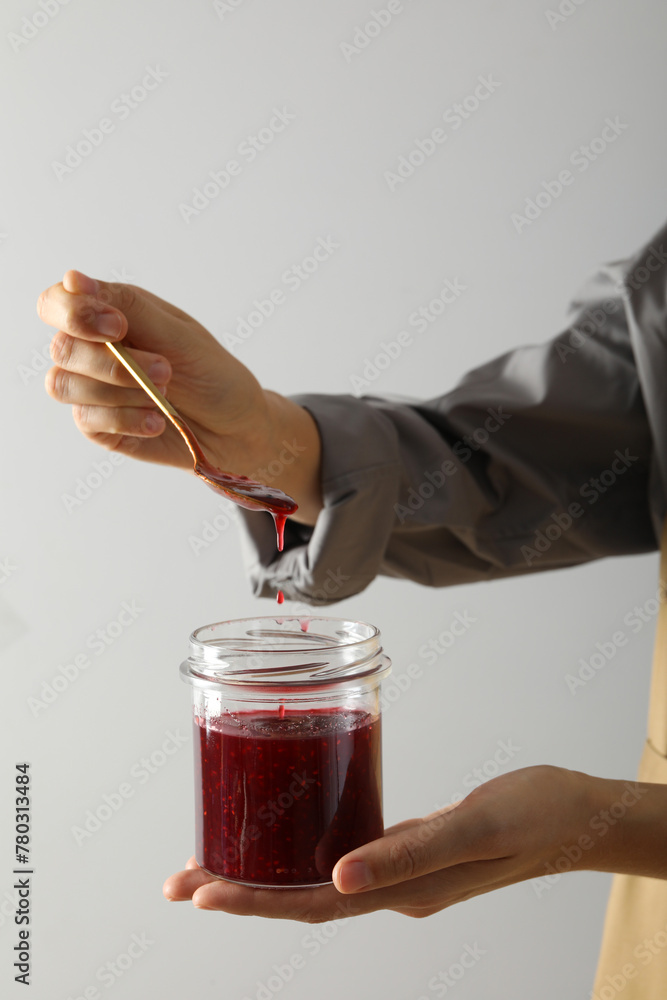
{"x":288,"y":791}
{"x":533,"y":823}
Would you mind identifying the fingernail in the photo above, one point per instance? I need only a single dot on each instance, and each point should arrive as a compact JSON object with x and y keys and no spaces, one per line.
{"x":153,"y":422}
{"x":109,"y":324}
{"x":354,"y":875}
{"x":159,"y":372}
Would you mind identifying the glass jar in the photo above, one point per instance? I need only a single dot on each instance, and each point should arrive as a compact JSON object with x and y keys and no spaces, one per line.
{"x":287,"y":746}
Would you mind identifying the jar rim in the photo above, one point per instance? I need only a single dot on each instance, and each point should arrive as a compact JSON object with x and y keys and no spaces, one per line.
{"x":269,"y":650}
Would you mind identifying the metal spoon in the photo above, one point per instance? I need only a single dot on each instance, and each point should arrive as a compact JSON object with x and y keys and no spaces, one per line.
{"x":243,"y":491}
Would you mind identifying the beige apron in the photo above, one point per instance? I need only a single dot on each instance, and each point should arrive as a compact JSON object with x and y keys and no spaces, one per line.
{"x":633,"y":958}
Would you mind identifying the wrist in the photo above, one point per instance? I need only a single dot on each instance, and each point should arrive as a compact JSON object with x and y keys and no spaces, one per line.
{"x":288,"y":454}
{"x":628,"y":826}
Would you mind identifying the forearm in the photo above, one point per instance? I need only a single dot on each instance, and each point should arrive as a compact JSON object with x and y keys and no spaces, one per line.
{"x":543,"y":458}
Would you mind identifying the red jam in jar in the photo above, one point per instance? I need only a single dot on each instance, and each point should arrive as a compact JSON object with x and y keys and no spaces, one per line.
{"x":287,"y":747}
{"x":312,"y":783}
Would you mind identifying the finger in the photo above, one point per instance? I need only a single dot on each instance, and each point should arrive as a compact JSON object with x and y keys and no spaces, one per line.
{"x":183,"y":884}
{"x":432,"y":893}
{"x":150,"y":449}
{"x":406,"y":824}
{"x":417,"y":897}
{"x":191,"y":863}
{"x":127,"y":420}
{"x":85,"y":358}
{"x":449,"y":837}
{"x":76,"y":281}
{"x":150,"y":318}
{"x":83,"y":316}
{"x":409,"y":824}
{"x":65,"y":387}
{"x":309,"y":905}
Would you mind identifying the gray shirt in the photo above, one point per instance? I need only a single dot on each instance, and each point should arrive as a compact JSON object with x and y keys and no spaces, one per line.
{"x":548,"y":456}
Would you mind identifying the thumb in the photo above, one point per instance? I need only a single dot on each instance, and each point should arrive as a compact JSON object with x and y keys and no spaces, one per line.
{"x":406,"y":852}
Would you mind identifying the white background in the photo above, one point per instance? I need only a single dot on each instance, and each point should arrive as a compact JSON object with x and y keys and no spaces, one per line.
{"x":117,"y":215}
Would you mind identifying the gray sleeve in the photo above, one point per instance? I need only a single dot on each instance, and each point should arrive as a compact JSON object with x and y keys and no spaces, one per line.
{"x":542,"y":458}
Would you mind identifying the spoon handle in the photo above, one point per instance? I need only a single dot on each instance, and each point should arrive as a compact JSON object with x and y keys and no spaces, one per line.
{"x":172,"y":414}
{"x":142,"y":378}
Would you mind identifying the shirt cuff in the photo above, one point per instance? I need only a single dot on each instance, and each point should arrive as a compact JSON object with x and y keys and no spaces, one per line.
{"x":361,"y":473}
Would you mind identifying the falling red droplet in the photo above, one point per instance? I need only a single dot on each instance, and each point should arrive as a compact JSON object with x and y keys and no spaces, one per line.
{"x":304,"y":623}
{"x":280,"y":528}
{"x":281,"y":597}
{"x":281,"y":712}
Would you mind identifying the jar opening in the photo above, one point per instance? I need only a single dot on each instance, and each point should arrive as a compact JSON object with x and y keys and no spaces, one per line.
{"x":284,"y":649}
